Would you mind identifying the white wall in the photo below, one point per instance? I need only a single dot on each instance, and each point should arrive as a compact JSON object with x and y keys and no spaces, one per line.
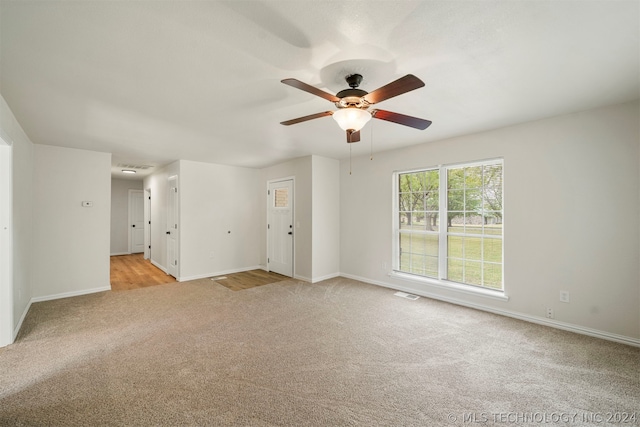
{"x":571,"y":216}
{"x":22,"y":217}
{"x":71,"y":242}
{"x":317,"y":215}
{"x":325,"y":218}
{"x":301,"y":170}
{"x":219,"y":219}
{"x":120,"y":213}
{"x":157,"y":184}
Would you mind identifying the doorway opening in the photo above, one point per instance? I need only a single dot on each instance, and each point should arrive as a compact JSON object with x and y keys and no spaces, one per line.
{"x":130,"y":265}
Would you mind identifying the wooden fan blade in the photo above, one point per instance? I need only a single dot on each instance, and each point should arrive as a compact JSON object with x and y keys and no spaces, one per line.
{"x":353,"y":136}
{"x":308,"y":88}
{"x":305,"y":118}
{"x":402,"y":85}
{"x":401,"y":119}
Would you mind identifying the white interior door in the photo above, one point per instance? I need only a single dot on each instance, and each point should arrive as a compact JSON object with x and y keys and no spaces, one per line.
{"x":136,"y":221}
{"x":280,"y":227}
{"x":172,"y":227}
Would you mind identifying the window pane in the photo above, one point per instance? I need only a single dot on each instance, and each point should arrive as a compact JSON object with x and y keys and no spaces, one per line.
{"x":281,"y":197}
{"x":405,"y":182}
{"x":431,"y":244}
{"x":455,"y":200}
{"x":473,"y":200}
{"x":405,"y":202}
{"x":431,"y":266}
{"x":473,"y":272}
{"x":473,"y":248}
{"x":418,"y":223}
{"x":493,"y":223}
{"x":493,"y":176}
{"x":417,"y":264}
{"x":472,"y":223}
{"x":454,"y":270}
{"x":454,"y":246}
{"x":410,"y":222}
{"x":493,"y":275}
{"x":405,"y":243}
{"x":492,"y":250}
{"x":432,"y":221}
{"x":405,"y":261}
{"x":432,"y":179}
{"x":455,"y":178}
{"x":456,"y":222}
{"x":403,"y":220}
{"x":473,"y":177}
{"x":417,"y":244}
{"x":432,"y":200}
{"x":492,"y":199}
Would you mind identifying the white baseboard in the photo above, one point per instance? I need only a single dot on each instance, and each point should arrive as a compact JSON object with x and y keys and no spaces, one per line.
{"x":219,"y":273}
{"x":521,"y":316}
{"x":303,"y":278}
{"x":120,"y":253}
{"x":24,"y":315}
{"x":326,"y":277}
{"x":159,"y":266}
{"x":70,"y":294}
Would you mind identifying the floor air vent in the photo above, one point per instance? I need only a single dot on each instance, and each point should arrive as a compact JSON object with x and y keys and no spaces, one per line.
{"x":407,"y":296}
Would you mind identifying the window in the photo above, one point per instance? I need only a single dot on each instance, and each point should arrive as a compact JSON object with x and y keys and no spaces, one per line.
{"x":467,"y":246}
{"x":281,"y":199}
{"x":418,"y":213}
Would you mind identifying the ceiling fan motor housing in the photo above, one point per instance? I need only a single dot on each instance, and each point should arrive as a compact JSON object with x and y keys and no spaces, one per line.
{"x":352,"y":97}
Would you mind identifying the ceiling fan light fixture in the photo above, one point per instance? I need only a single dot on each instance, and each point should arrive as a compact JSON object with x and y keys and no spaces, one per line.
{"x":351,"y":118}
{"x":131,"y":171}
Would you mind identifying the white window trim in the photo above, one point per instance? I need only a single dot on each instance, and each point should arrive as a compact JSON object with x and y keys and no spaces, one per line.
{"x":440,"y":282}
{"x":445,"y":284}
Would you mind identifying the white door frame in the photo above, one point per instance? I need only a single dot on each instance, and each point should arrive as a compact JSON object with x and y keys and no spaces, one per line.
{"x":130,"y":218}
{"x":173,"y":230}
{"x":6,"y":244}
{"x":293,"y":219}
{"x":147,"y":223}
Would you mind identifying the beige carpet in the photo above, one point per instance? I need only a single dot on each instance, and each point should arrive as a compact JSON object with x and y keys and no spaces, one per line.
{"x":337,"y":353}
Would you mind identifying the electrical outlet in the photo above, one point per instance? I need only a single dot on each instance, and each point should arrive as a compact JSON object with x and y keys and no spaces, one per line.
{"x":549,"y":313}
{"x":383,"y":266}
{"x":564,"y":296}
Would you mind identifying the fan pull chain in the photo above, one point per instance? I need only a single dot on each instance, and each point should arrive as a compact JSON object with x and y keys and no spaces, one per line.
{"x":350,"y":159}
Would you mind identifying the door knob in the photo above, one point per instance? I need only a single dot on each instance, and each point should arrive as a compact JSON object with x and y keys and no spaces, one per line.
{"x":290,"y":233}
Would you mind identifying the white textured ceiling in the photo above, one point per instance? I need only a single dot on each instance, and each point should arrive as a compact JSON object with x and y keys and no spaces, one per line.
{"x":157,"y":81}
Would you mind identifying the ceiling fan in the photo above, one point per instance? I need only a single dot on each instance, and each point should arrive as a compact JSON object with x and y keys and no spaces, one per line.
{"x":353,"y":104}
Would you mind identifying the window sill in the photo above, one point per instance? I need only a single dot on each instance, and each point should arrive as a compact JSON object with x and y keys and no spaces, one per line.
{"x":444,"y":284}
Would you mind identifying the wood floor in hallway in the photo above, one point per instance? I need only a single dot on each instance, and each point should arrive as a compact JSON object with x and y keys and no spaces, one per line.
{"x":133,"y":272}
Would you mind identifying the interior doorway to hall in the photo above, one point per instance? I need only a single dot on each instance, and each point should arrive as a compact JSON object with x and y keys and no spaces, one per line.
{"x":130,"y":265}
